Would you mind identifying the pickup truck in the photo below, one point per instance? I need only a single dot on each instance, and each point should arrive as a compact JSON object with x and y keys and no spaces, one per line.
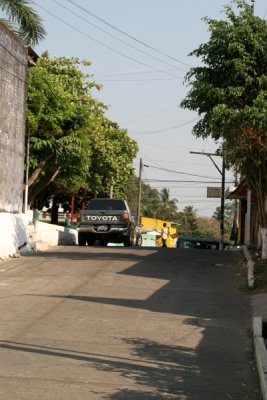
{"x":107,"y":220}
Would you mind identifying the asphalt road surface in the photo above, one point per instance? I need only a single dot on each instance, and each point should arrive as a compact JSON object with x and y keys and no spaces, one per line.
{"x":121,"y":323}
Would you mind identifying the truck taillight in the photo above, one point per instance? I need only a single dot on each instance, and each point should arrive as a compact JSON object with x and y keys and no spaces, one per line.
{"x":125,"y":217}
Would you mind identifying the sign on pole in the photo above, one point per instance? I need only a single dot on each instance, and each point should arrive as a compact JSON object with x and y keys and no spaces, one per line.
{"x":214,"y":192}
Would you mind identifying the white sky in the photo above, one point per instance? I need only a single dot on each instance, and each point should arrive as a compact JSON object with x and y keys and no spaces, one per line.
{"x":143,"y":87}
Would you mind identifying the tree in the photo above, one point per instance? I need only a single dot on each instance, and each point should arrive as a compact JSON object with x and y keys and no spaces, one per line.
{"x":150,"y":198}
{"x":229,"y":92}
{"x":113,"y":152}
{"x":74,"y":147}
{"x":229,"y":217}
{"x":188,"y":220}
{"x":168,"y":207}
{"x":208,"y":227}
{"x":22,"y":20}
{"x":59,"y":115}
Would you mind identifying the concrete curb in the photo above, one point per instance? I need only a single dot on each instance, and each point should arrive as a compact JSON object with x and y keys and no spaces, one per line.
{"x":260,"y":353}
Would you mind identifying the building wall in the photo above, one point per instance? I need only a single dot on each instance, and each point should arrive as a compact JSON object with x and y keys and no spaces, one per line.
{"x":13,"y":69}
{"x":156,"y":225}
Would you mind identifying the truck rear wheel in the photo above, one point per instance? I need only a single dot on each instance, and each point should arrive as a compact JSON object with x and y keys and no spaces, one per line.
{"x":81,"y":238}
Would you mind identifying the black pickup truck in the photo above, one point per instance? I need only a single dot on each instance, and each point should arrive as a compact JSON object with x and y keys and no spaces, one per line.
{"x":107,"y":220}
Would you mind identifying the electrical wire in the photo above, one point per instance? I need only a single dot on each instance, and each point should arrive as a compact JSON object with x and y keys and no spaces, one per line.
{"x":101,"y":43}
{"x":13,"y":75}
{"x":109,"y":34}
{"x":146,"y":96}
{"x":180,"y":173}
{"x":173,"y":180}
{"x":24,"y":63}
{"x":150,"y":115}
{"x":129,"y":36}
{"x":166,"y":129}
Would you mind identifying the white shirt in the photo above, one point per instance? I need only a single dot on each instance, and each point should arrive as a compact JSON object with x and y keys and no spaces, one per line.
{"x":164,"y":233}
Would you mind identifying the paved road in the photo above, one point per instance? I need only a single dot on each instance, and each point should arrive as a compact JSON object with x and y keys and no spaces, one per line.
{"x":125,"y":323}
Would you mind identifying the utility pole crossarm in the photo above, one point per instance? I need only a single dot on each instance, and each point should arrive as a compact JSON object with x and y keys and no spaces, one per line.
{"x":210,"y":157}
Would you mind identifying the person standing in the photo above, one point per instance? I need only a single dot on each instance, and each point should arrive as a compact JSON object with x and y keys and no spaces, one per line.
{"x":164,"y":234}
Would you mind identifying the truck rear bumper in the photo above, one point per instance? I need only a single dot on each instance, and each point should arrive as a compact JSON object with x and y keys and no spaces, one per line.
{"x":91,"y":229}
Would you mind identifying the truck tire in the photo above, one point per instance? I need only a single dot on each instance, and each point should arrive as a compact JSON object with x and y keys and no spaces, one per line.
{"x":139,"y":241}
{"x":81,"y":238}
{"x":129,"y":241}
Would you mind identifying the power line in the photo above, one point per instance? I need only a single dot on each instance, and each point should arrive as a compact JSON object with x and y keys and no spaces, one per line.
{"x":173,"y":180}
{"x":109,"y":34}
{"x":139,"y":80}
{"x":179,"y":172}
{"x":149,"y":115}
{"x":146,"y":96}
{"x":166,"y":129}
{"x":126,"y":34}
{"x":101,"y":43}
{"x":24,"y":63}
{"x":135,"y":72}
{"x":13,"y":75}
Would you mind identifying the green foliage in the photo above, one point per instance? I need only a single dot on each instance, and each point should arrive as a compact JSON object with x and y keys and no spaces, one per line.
{"x":188,"y":221}
{"x":72,"y":144}
{"x":229,"y":92}
{"x":111,"y":162}
{"x":167,"y":208}
{"x":208,"y":227}
{"x":229,"y":216}
{"x":154,"y":203}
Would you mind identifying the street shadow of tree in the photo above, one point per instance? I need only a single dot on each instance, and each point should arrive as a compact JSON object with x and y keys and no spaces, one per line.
{"x":161,"y":370}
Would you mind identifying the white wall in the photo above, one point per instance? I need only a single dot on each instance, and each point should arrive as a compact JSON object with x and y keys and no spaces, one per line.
{"x":13,"y":234}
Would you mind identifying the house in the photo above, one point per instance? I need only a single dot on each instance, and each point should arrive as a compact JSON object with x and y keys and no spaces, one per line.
{"x":247,"y":215}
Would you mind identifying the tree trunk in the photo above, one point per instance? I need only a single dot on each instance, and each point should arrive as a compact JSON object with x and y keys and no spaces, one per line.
{"x":54,"y":211}
{"x":34,"y":190}
{"x":38,"y":170}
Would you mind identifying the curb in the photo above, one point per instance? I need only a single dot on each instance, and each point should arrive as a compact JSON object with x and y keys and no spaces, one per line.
{"x":260,"y":353}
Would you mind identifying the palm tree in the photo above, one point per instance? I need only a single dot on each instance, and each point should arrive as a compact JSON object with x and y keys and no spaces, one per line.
{"x":168,"y":207}
{"x":22,"y":20}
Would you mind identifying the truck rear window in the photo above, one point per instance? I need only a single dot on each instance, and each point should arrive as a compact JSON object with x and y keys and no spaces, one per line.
{"x":106,"y":204}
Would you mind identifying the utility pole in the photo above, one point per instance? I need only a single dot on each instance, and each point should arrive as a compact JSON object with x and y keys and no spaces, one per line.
{"x":139,"y":191}
{"x":222,"y":173}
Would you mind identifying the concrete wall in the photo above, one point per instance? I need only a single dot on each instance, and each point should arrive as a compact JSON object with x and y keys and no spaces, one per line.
{"x":13,"y":70}
{"x":47,"y":235}
{"x":13,"y":234}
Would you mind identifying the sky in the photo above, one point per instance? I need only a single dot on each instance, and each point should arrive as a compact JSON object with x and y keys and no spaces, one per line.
{"x":139,"y":51}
